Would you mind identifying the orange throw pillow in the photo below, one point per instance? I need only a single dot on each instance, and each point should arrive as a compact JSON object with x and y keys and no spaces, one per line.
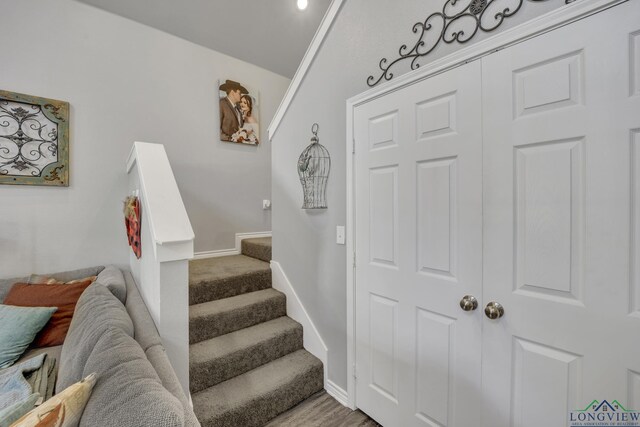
{"x":64,"y":297}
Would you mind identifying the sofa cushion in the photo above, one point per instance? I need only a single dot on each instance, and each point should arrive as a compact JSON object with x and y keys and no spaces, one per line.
{"x":128,"y":391}
{"x":19,"y":327}
{"x":7,"y":284}
{"x":64,"y":276}
{"x":52,"y":352}
{"x":157,"y":356}
{"x":64,"y":297}
{"x":38,"y":279}
{"x":97,"y":310}
{"x":67,"y":276}
{"x":112,"y":278}
{"x":145,"y":331}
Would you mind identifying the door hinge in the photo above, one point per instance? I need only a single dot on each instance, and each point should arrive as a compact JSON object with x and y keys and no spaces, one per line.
{"x":354,"y":260}
{"x":355,"y":372}
{"x":353,"y":146}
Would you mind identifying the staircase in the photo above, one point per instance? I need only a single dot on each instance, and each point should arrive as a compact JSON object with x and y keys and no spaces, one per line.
{"x":246,"y":361}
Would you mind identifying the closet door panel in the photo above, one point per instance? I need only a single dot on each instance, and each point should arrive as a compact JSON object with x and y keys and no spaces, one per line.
{"x":419,"y":251}
{"x":560,"y":112}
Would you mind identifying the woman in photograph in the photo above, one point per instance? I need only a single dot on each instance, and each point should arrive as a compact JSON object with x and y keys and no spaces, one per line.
{"x":250,"y":122}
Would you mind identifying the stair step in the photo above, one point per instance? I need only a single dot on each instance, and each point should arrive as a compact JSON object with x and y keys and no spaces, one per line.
{"x":253,"y":398}
{"x":223,"y":277}
{"x":218,"y":359}
{"x":259,"y":248}
{"x":214,"y":318}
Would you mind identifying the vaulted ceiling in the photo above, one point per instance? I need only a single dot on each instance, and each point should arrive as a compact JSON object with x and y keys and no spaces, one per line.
{"x":272,"y":34}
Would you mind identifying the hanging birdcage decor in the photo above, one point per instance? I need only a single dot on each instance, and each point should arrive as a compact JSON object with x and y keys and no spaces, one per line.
{"x":314,"y":165}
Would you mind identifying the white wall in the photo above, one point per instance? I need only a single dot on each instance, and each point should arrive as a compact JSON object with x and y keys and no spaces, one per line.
{"x":304,"y":241}
{"x":125,"y":82}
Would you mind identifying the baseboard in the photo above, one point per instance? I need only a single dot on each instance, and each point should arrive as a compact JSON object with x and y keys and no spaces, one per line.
{"x":312,"y":340}
{"x":337,"y":393}
{"x":241,"y":236}
{"x":215,"y":254}
{"x":233,"y":251}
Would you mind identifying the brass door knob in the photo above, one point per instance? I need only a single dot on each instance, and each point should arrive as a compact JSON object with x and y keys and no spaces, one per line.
{"x":494,"y":310}
{"x":468,"y":303}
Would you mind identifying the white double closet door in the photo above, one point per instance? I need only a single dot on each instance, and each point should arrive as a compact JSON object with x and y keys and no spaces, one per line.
{"x":515,"y":179}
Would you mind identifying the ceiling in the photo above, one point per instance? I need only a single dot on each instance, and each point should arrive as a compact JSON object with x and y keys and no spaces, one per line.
{"x":272,"y":34}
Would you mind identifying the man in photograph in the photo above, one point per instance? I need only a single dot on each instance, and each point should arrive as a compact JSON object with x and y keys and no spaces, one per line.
{"x":230,"y":114}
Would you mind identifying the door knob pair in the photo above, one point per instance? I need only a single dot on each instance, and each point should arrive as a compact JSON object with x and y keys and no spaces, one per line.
{"x":493,"y":310}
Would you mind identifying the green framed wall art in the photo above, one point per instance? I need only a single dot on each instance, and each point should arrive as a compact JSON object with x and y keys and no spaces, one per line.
{"x":34,"y":140}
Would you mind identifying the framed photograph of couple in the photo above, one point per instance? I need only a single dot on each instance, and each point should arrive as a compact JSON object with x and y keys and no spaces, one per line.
{"x":239,"y":113}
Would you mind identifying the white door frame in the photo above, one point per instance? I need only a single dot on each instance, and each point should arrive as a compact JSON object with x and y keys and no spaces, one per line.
{"x":542,"y":24}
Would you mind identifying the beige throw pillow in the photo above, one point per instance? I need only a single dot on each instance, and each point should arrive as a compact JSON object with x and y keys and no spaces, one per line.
{"x":62,"y":410}
{"x":37,"y":279}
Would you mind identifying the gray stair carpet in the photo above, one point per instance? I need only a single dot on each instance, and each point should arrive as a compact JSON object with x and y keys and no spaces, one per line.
{"x":259,"y":248}
{"x":215,"y":278}
{"x":219,"y":317}
{"x":247,"y":363}
{"x":254,"y":398}
{"x":224,"y":357}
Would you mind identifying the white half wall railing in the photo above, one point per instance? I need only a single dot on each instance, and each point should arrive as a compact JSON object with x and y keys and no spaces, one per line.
{"x":162,"y":272}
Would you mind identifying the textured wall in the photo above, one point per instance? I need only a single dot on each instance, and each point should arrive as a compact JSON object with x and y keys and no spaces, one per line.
{"x":304,"y":242}
{"x":125,"y":82}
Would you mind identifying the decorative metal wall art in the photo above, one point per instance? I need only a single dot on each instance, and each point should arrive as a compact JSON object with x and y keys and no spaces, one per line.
{"x":314,"y":165}
{"x":34,"y":140}
{"x":459,"y":21}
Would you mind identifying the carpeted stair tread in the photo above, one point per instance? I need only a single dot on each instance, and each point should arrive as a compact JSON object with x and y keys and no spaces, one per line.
{"x":253,"y":398}
{"x":218,"y":359}
{"x":259,"y":248}
{"x":222,"y":277}
{"x":214,"y":318}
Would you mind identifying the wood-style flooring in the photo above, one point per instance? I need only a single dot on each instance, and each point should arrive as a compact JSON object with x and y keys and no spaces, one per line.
{"x":322,"y":410}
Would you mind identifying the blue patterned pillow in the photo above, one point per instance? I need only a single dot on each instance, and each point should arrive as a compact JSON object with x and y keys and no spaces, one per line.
{"x":18,"y":328}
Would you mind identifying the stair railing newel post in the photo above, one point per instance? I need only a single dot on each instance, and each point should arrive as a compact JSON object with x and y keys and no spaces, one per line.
{"x":314,"y":165}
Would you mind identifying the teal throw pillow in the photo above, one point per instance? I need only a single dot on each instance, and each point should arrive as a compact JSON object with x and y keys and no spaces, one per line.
{"x":18,"y":328}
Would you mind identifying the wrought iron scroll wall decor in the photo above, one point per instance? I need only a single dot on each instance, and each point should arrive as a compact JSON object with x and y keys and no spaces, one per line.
{"x":314,"y":165}
{"x":34,"y":140}
{"x":459,"y":21}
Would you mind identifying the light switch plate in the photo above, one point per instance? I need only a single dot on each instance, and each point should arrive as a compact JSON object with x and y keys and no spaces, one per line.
{"x":340,"y":235}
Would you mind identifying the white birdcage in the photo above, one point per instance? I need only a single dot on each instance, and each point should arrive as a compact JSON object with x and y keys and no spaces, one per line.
{"x":314,"y":165}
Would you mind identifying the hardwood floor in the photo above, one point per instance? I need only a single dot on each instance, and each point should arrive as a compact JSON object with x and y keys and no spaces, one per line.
{"x":322,"y":410}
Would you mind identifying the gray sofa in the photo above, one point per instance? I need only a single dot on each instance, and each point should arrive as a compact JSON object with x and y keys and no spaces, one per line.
{"x":112,"y":333}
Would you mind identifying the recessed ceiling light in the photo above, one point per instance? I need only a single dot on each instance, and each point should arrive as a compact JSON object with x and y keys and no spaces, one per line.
{"x":302,"y":4}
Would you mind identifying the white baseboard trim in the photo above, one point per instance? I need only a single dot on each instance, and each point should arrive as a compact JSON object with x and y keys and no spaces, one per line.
{"x":215,"y":254}
{"x":233,"y":251}
{"x":312,"y":340}
{"x":337,"y":393}
{"x":241,"y":236}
